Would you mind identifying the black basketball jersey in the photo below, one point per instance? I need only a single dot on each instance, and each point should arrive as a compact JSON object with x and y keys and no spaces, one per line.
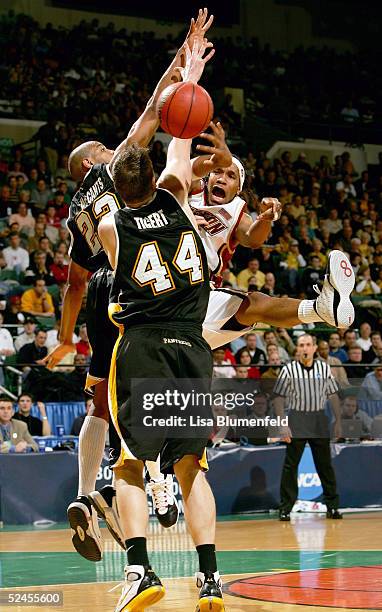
{"x":95,"y":198}
{"x":162,"y":273}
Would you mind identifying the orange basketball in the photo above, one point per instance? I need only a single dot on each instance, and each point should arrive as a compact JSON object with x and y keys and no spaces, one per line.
{"x":185,"y":109}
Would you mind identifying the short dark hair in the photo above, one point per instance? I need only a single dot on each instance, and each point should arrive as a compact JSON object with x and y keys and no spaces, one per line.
{"x":6,"y":398}
{"x":24,"y":395}
{"x":133,"y":174}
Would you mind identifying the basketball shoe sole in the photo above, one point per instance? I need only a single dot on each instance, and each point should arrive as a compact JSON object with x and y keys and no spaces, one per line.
{"x":333,"y":304}
{"x":86,"y":538}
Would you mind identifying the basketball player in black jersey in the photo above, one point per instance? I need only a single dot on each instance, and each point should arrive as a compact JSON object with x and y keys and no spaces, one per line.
{"x":161,"y":279}
{"x":96,"y":198}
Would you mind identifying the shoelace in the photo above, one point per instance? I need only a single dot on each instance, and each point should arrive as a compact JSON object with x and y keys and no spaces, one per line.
{"x":160,"y":496}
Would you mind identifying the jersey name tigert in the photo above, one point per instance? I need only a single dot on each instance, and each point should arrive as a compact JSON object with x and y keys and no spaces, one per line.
{"x":153,"y":221}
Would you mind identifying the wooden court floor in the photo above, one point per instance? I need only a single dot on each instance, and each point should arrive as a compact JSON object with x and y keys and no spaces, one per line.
{"x":310,"y":564}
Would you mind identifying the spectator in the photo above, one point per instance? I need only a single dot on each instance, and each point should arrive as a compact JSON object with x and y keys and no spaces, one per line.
{"x":365,"y":284}
{"x":273,"y":371}
{"x":46,"y":247}
{"x":16,"y":257}
{"x":14,"y":435}
{"x":33,"y":352}
{"x":222,"y":367}
{"x":83,"y":346}
{"x":36,"y":426}
{"x":355,"y":358}
{"x":28,"y":334}
{"x":243,"y":358}
{"x":270,"y":338}
{"x":364,"y":340}
{"x":242,"y":372}
{"x":23,"y":218}
{"x":347,"y":186}
{"x":350,"y":410}
{"x":253,"y":269}
{"x":269,"y":287}
{"x":76,"y":379}
{"x":311,"y":276}
{"x":338,"y":370}
{"x":257,"y":355}
{"x":38,"y":270}
{"x":371,"y":388}
{"x":79,"y":421}
{"x":350,"y":338}
{"x":293,"y":262}
{"x":13,"y":310}
{"x":335,"y":347}
{"x":41,"y":195}
{"x":52,"y":218}
{"x":376,"y":345}
{"x":59,"y":269}
{"x":37,"y":301}
{"x":6,"y":347}
{"x":350,"y":114}
{"x":34,"y":240}
{"x":332,"y":224}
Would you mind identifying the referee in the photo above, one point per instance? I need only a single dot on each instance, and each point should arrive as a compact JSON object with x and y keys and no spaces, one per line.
{"x":304,"y":385}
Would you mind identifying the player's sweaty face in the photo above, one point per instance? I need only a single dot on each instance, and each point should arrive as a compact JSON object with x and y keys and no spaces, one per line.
{"x":223,"y":185}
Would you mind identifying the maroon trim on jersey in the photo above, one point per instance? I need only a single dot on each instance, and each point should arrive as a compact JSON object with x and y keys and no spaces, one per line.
{"x":232,"y":244}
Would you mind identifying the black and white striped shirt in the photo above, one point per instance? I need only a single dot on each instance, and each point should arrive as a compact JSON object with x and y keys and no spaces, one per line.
{"x":306,"y":389}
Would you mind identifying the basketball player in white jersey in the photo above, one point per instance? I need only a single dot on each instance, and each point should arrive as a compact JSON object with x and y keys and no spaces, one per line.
{"x":223,"y":225}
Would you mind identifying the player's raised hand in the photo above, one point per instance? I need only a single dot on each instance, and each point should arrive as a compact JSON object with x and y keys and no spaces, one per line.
{"x":57,"y":354}
{"x":195,"y":61}
{"x":270,"y":209}
{"x":220,"y":154}
{"x":199,"y":27}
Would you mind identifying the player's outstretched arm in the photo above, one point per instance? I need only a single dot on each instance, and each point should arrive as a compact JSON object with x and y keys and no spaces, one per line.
{"x":176,"y":177}
{"x":216,"y":154}
{"x":147,"y":124}
{"x":75,"y":289}
{"x":253,"y":234}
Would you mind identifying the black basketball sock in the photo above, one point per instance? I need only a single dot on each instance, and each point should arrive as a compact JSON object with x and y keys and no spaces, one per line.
{"x":137,"y":551}
{"x":207,"y":558}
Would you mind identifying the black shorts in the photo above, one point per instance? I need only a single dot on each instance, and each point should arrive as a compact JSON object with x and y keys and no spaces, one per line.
{"x":102,"y":332}
{"x":152,"y":353}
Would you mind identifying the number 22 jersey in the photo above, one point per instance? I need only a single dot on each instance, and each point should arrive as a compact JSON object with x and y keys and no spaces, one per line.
{"x":94,"y":199}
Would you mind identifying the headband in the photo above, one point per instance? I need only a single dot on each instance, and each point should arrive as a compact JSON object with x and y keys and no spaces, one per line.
{"x":240,"y":167}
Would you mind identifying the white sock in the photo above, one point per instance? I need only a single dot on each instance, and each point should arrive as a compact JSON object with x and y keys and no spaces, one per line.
{"x":153,"y":468}
{"x":90,"y":452}
{"x":306,"y":312}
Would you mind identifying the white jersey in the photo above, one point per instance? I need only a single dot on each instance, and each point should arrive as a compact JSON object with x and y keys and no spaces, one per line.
{"x":222,"y":220}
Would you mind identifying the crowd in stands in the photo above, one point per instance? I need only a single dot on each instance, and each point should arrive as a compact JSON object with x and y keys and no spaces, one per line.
{"x":103,"y":84}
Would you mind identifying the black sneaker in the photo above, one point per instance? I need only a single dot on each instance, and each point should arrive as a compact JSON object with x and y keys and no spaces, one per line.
{"x":86,"y":536}
{"x":333,"y":513}
{"x":284,"y":515}
{"x":165,"y":504}
{"x":210,"y":594}
{"x":142,"y":588}
{"x":105,"y":503}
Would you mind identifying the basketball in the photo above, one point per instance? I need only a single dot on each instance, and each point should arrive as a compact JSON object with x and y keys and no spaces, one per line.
{"x":185,"y":109}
